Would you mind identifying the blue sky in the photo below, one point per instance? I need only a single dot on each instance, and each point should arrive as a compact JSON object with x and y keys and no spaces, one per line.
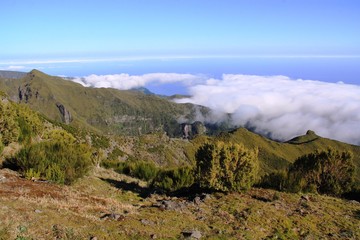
{"x":42,"y":29}
{"x":285,"y":66}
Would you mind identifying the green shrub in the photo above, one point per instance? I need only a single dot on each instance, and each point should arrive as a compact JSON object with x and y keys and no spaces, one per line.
{"x":55,"y":174}
{"x":18,"y":122}
{"x":174,"y":179}
{"x":276,"y":180}
{"x":226,"y":166}
{"x":29,"y":122}
{"x":9,"y":127}
{"x":32,"y":174}
{"x":146,"y":171}
{"x":115,"y":154}
{"x":55,"y":160}
{"x":329,"y":172}
{"x":99,"y":141}
{"x":1,"y":144}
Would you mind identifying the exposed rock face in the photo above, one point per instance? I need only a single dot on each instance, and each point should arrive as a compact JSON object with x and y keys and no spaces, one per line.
{"x":26,"y":93}
{"x":65,"y":114}
{"x":191,"y":234}
{"x":191,"y":130}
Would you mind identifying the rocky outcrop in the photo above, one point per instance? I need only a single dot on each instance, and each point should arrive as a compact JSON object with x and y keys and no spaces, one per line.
{"x":191,"y":130}
{"x":65,"y":114}
{"x":26,"y":93}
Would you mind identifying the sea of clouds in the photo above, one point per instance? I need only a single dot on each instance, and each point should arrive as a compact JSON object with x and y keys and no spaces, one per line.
{"x":275,"y":106}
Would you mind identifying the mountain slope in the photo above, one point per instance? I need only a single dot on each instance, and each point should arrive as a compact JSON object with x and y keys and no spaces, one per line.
{"x":108,"y":110}
{"x":277,"y":155}
{"x":11,"y":74}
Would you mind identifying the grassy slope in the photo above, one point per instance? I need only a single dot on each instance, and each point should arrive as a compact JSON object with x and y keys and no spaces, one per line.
{"x":276,"y":155}
{"x":35,"y":210}
{"x":109,"y":110}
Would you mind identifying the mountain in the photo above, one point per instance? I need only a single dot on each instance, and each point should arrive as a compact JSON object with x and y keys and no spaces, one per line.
{"x":11,"y":74}
{"x":106,"y":110}
{"x":143,"y":90}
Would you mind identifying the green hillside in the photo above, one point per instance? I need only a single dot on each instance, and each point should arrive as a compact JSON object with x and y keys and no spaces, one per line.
{"x":109,"y":110}
{"x":277,"y":155}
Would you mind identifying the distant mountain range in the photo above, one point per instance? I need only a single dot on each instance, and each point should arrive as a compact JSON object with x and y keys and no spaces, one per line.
{"x":11,"y":74}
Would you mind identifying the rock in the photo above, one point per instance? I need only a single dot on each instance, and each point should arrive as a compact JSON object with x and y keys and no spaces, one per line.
{"x":113,"y":216}
{"x":171,"y":205}
{"x":25,"y":94}
{"x":305,"y":197}
{"x":38,"y":211}
{"x":205,"y":197}
{"x":189,"y":131}
{"x":93,"y":238}
{"x":65,"y":114}
{"x":192,"y":234}
{"x":147,"y":222}
{"x":2,"y":178}
{"x":197,"y":200}
{"x":153,"y":236}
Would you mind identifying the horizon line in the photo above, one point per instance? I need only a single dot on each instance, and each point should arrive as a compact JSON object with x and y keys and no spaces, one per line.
{"x":164,"y":58}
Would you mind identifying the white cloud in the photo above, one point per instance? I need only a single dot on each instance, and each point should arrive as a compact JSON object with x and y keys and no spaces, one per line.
{"x":282,"y":107}
{"x":125,"y":81}
{"x":274,"y":105}
{"x":14,"y":68}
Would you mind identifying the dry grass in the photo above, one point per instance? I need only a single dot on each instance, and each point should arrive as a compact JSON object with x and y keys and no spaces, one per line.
{"x":36,"y":210}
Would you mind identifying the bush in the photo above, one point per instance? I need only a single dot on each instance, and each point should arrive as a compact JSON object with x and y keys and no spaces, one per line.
{"x":226,"y":166}
{"x":146,"y":171}
{"x":330,"y":172}
{"x":276,"y":180}
{"x":174,"y":179}
{"x":55,"y":160}
{"x":9,"y":127}
{"x":1,"y":144}
{"x":18,"y":122}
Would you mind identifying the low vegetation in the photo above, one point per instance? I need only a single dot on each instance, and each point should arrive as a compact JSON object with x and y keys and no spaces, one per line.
{"x":60,"y":159}
{"x":174,"y":179}
{"x":226,"y":166}
{"x":46,"y":151}
{"x":325,"y":172}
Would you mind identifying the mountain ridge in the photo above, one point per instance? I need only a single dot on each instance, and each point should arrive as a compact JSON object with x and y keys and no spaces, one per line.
{"x":105,"y":109}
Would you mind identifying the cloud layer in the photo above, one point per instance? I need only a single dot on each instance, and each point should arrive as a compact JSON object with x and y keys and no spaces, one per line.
{"x":276,"y":106}
{"x":125,"y":81}
{"x":283,"y":108}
